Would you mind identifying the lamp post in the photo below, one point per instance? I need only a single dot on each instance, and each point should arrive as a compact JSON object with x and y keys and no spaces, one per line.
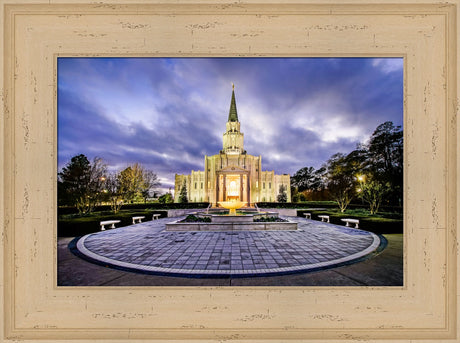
{"x":361,"y":180}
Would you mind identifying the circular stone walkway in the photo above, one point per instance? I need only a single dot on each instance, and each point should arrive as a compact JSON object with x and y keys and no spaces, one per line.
{"x":148,"y":248}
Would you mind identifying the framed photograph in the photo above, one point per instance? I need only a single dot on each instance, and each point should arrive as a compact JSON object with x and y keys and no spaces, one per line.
{"x":37,"y":37}
{"x":248,"y":207}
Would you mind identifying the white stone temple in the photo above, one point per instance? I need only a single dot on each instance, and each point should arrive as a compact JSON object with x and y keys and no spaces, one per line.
{"x":232,"y":172}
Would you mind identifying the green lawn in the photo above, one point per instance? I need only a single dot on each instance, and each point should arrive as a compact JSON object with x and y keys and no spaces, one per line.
{"x":381,"y":222}
{"x":73,"y":225}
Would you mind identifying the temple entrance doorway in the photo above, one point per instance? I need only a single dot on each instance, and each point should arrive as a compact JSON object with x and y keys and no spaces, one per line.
{"x":232,"y":185}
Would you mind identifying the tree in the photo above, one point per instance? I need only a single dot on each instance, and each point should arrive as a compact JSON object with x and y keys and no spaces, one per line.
{"x":72,"y":180}
{"x":80,"y":183}
{"x":166,"y":198}
{"x":385,"y":158}
{"x":307,"y":178}
{"x":137,"y":183}
{"x":113,"y":192}
{"x":295,"y":195}
{"x":342,"y":192}
{"x":386,"y":149}
{"x":183,"y":193}
{"x":381,"y":159}
{"x":150,"y":182}
{"x":130,"y":180}
{"x":282,"y":195}
{"x":96,"y":185}
{"x":341,"y":180}
{"x":308,"y":183}
{"x":373,"y":192}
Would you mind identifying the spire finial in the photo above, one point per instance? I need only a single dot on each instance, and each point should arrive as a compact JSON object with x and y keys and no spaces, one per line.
{"x":233,"y":115}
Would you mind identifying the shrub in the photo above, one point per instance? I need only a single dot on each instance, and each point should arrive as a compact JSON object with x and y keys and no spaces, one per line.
{"x":166,"y":199}
{"x":270,"y":219}
{"x":305,"y":204}
{"x":194,"y":219}
{"x":148,"y":206}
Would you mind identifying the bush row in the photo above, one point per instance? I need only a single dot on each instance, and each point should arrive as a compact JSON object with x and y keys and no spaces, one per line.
{"x":62,"y":210}
{"x":323,"y":204}
{"x":369,"y":223}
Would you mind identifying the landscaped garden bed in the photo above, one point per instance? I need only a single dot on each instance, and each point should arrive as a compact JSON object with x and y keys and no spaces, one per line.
{"x":191,"y":218}
{"x":270,"y":220}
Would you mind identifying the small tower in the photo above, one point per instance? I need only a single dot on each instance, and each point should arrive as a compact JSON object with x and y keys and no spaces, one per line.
{"x":233,"y":138}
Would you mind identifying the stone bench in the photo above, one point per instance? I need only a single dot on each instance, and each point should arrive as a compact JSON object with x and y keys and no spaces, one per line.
{"x":307,"y":215}
{"x":139,"y":219}
{"x":324,"y":218}
{"x":108,"y":222}
{"x":155,"y":216}
{"x":353,"y":221}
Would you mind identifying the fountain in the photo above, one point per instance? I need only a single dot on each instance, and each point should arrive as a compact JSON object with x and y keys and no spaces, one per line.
{"x":232,"y":205}
{"x":233,"y":199}
{"x":214,"y":220}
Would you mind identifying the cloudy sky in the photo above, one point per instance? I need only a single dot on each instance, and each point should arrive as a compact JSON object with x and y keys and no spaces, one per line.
{"x":167,"y":113}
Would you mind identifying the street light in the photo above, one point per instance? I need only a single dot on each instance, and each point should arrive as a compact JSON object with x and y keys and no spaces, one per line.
{"x":361,"y":179}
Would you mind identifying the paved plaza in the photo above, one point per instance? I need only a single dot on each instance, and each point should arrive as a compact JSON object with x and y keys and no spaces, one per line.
{"x":147,"y":248}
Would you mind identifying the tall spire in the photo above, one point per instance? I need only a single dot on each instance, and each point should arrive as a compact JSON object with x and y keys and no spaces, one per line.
{"x":232,"y":114}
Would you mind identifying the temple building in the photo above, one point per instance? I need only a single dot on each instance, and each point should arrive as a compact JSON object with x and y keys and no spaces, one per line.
{"x":232,"y":172}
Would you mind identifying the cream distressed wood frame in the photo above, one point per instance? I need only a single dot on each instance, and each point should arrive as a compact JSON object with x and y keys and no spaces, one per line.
{"x":35,"y":34}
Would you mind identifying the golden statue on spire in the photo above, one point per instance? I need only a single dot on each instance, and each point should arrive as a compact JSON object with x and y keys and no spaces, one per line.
{"x":233,"y":86}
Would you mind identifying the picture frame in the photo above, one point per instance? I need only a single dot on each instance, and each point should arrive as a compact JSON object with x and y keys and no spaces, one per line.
{"x":35,"y":34}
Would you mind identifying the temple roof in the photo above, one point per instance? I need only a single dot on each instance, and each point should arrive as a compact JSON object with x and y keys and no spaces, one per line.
{"x":232,"y":114}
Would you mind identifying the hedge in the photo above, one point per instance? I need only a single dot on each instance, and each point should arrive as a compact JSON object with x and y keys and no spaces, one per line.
{"x":323,"y":204}
{"x":62,"y":210}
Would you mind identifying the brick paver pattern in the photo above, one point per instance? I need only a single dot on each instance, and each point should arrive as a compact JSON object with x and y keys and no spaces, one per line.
{"x":149,"y":245}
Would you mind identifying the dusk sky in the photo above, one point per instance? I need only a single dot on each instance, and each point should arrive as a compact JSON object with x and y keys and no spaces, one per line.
{"x":167,"y":113}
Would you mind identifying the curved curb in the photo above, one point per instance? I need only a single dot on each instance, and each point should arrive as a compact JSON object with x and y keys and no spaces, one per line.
{"x":78,"y":248}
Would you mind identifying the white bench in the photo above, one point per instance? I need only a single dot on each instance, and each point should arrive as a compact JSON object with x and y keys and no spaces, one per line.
{"x":324,"y":218}
{"x":108,"y":222}
{"x":155,"y":216}
{"x":139,"y":219}
{"x":307,"y":215}
{"x":349,"y":220}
